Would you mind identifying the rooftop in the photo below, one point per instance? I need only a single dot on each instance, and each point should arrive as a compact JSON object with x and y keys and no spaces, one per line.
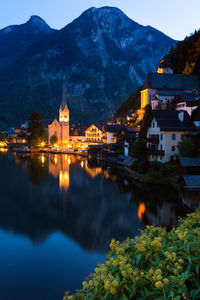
{"x":190,"y":161}
{"x":115,"y":128}
{"x":168,"y":120}
{"x":172,"y":81}
{"x":192,"y":181}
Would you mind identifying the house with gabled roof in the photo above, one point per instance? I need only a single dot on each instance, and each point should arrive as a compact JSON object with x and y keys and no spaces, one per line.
{"x":94,"y":134}
{"x":166,"y":130}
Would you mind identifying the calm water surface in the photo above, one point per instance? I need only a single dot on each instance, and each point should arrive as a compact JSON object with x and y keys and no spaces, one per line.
{"x":58,"y":214}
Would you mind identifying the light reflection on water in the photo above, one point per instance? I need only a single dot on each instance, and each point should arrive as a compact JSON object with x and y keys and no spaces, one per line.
{"x":58,"y":214}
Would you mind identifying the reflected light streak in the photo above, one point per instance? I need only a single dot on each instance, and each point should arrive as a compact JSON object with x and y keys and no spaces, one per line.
{"x":64,"y":180}
{"x":43,"y":159}
{"x":141,"y":210}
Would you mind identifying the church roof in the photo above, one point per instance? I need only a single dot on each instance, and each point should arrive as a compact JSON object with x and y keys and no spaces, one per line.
{"x":64,"y":96}
{"x":172,"y":81}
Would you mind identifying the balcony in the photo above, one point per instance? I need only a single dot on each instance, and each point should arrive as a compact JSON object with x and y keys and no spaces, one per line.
{"x":153,"y":140}
{"x":155,"y":152}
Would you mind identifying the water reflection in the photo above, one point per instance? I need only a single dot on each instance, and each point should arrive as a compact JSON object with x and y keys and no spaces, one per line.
{"x":82,"y":200}
{"x":68,"y":194}
{"x":61,"y":212}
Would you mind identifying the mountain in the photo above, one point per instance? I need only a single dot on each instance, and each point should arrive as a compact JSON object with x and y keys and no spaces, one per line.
{"x":104,"y":56}
{"x":16,"y":39}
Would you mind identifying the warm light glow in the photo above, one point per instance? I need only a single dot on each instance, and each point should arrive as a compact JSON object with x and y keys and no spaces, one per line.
{"x":82,"y":164}
{"x":64,"y":180}
{"x":3,"y":150}
{"x":43,"y":159}
{"x":2,"y":144}
{"x":55,"y":145}
{"x":56,"y":160}
{"x":141,"y":210}
{"x":42,"y":144}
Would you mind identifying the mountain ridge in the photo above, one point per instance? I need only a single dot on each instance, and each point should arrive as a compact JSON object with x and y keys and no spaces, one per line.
{"x":105,"y":56}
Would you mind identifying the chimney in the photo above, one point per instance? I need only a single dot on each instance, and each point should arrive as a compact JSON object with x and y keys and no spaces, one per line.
{"x":181,"y":115}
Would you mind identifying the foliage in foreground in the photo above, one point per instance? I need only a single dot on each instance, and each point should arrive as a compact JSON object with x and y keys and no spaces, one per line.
{"x":162,"y":173}
{"x":187,"y":148}
{"x":157,"y":265}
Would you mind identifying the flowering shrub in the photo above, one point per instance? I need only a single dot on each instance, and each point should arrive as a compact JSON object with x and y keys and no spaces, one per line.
{"x":156,"y":265}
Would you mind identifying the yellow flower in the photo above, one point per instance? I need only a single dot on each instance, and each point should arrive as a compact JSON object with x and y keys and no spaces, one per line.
{"x":123,"y":273}
{"x":115,"y":283}
{"x":159,"y":284}
{"x":115,"y":263}
{"x":113,"y":291}
{"x":176,"y":265}
{"x":166,"y":281}
{"x":107,"y":262}
{"x":181,"y":261}
{"x":158,"y":272}
{"x":159,"y":277}
{"x":90,"y":283}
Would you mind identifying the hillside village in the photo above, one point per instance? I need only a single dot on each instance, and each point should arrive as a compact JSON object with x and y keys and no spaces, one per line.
{"x":167,"y":121}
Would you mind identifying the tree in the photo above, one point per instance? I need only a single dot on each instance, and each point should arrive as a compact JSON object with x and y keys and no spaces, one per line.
{"x":53,"y":139}
{"x":36,"y":130}
{"x":187,"y":147}
{"x":132,"y":102}
{"x":146,"y":121}
{"x":139,"y":148}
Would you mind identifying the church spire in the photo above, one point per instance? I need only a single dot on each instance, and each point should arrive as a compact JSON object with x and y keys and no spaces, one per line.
{"x":64,"y":96}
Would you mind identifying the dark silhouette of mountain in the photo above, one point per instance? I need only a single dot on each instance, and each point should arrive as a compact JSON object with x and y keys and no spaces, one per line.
{"x":104,"y":55}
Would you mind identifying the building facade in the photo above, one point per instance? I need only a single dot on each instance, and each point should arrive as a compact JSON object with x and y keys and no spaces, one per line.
{"x":94,"y":134}
{"x":163,"y":86}
{"x":166,"y":130}
{"x":60,"y":127}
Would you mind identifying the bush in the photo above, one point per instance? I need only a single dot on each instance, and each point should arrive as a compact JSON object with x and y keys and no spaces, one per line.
{"x":53,"y":139}
{"x":162,"y":173}
{"x":157,"y":265}
{"x":139,"y":149}
{"x":187,"y":147}
{"x":135,"y":165}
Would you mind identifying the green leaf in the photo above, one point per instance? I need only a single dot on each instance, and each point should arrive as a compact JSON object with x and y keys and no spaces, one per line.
{"x":137,"y":259}
{"x":195,"y":293}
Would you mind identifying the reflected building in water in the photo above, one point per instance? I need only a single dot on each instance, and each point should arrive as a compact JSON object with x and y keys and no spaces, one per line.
{"x":90,"y":205}
{"x":58,"y":167}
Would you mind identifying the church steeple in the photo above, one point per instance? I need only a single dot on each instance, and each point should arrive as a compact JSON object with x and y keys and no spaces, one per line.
{"x":64,"y":111}
{"x":64,"y":96}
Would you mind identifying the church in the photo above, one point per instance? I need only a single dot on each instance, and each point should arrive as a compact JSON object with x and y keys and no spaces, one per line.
{"x":61,"y":128}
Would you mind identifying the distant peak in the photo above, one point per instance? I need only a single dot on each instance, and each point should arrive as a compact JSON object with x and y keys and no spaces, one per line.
{"x":36,"y":20}
{"x":105,"y":9}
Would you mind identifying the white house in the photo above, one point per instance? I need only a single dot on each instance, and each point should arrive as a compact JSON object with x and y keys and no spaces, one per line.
{"x":166,"y":130}
{"x":94,"y":134}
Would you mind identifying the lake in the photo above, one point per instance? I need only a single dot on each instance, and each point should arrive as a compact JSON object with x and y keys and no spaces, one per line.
{"x":58,"y":214}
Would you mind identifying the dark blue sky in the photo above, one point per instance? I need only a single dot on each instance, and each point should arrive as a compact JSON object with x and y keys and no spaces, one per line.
{"x":176,"y":18}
